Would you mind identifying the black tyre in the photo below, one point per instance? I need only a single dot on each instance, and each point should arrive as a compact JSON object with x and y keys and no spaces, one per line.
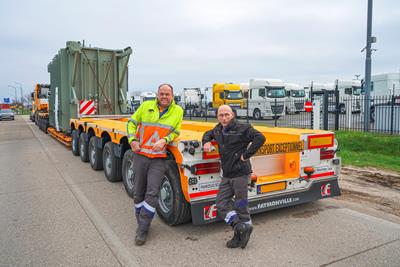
{"x":172,"y":208}
{"x":128,"y":172}
{"x":112,"y":165}
{"x":75,"y":143}
{"x":95,"y":154}
{"x":257,"y":114}
{"x":83,"y":148}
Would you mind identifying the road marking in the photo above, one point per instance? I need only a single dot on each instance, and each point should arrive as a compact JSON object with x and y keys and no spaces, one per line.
{"x":117,"y":248}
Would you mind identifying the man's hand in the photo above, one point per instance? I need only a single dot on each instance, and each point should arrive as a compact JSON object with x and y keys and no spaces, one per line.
{"x":135,"y":146}
{"x":159,"y":145}
{"x":207,"y":147}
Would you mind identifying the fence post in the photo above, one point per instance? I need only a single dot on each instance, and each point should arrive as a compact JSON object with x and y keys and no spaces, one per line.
{"x":247,"y":106}
{"x":276,"y":123}
{"x":326,"y":102}
{"x":392,"y":115}
{"x":337,"y":113}
{"x":316,"y":112}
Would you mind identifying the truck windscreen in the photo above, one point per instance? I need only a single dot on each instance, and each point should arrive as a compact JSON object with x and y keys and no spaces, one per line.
{"x":233,"y":95}
{"x":356,"y":90}
{"x":298,"y":93}
{"x":277,"y":92}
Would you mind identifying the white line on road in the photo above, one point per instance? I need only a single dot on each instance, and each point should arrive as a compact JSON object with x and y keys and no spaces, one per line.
{"x":121,"y":253}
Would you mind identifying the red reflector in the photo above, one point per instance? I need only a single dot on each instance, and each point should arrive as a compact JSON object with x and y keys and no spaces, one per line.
{"x":327,"y":154}
{"x":205,"y":168}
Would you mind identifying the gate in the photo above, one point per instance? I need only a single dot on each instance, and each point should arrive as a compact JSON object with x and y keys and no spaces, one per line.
{"x":329,"y":109}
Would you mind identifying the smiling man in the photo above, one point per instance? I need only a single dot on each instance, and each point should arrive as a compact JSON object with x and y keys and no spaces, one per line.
{"x":237,"y":142}
{"x":155,"y":124}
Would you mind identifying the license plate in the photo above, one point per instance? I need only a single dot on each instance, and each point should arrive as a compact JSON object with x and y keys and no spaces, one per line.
{"x":265,"y":188}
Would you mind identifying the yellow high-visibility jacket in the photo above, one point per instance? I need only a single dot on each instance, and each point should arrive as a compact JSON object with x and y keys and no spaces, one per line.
{"x":147,"y":127}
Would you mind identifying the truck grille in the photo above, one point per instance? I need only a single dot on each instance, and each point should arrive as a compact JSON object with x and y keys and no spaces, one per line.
{"x":299,"y":105}
{"x":278,"y":109}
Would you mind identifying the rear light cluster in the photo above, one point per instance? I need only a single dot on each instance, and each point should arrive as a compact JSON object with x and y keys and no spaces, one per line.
{"x":206,"y":168}
{"x":327,"y":154}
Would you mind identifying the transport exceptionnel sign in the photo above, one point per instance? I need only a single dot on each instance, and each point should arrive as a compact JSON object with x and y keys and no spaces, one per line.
{"x":277,"y":148}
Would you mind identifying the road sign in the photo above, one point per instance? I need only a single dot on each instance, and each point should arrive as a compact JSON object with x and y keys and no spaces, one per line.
{"x":6,"y":100}
{"x":308,"y":106}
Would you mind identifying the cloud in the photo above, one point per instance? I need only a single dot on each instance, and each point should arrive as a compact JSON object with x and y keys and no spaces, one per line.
{"x":196,"y":43}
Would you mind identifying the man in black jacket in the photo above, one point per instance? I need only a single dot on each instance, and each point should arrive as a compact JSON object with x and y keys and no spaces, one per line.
{"x":237,"y":142}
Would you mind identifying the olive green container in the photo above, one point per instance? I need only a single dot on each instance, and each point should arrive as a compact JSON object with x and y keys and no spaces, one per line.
{"x":84,"y":73}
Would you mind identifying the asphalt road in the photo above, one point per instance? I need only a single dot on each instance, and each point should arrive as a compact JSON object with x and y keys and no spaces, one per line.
{"x":55,"y":210}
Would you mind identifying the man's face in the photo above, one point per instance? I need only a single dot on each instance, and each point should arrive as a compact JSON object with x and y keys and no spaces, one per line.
{"x":225,"y":116}
{"x":164,"y":96}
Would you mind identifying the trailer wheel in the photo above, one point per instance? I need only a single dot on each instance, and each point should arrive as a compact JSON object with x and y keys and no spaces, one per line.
{"x":128,"y":172}
{"x":112,"y":165}
{"x":83,"y":148}
{"x":257,"y":114}
{"x":172,"y":205}
{"x":75,"y":143}
{"x":95,"y":154}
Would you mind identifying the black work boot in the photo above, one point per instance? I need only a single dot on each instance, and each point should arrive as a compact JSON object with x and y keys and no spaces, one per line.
{"x":244,"y":230}
{"x":141,"y":236}
{"x":234,"y":242}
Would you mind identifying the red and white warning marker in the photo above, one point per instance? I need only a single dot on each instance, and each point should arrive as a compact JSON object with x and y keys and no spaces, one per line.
{"x":86,"y":107}
{"x":308,"y":106}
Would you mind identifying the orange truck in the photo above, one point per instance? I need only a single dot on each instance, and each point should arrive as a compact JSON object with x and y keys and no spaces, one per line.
{"x":294,"y":166}
{"x":40,"y":106}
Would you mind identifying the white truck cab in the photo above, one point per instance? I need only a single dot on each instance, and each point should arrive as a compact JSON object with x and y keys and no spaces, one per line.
{"x":295,"y":98}
{"x":267,"y":98}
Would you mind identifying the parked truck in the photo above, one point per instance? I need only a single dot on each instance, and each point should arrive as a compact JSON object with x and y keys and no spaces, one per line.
{"x":266,"y":99}
{"x":295,"y":98}
{"x":294,"y":166}
{"x":40,"y":106}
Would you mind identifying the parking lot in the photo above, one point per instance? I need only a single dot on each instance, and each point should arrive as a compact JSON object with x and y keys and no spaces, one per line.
{"x":55,"y":210}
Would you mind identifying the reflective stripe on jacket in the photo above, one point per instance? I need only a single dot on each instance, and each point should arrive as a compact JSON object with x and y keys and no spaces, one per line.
{"x":147,"y":127}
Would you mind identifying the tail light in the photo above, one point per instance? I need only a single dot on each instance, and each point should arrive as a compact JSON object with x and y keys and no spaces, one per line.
{"x":206,"y":168}
{"x":327,"y":154}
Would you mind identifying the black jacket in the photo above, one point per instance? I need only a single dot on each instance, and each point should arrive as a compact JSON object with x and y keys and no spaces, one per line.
{"x":233,"y":142}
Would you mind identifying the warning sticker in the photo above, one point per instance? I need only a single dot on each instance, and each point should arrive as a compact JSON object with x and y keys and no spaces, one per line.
{"x":277,"y":148}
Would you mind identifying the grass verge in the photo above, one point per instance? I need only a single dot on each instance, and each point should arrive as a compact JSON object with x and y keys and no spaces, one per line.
{"x":369,"y":150}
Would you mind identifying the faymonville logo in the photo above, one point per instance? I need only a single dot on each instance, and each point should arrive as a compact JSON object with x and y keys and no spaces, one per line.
{"x":275,"y":203}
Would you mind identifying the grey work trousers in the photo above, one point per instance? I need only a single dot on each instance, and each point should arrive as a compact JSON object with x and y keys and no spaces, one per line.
{"x":149,"y":174}
{"x":234,"y":210}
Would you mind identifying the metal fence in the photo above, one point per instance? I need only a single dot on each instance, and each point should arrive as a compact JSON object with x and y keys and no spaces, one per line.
{"x":334,"y":113}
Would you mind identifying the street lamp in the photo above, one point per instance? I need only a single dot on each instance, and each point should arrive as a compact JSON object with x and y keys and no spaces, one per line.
{"x":357,"y":75}
{"x":15,"y":89}
{"x":22,"y":92}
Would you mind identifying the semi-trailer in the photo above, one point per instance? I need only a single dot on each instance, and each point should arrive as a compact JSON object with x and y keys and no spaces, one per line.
{"x":86,"y":112}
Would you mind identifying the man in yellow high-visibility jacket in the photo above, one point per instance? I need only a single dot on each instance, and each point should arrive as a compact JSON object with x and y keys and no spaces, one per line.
{"x":155,"y":124}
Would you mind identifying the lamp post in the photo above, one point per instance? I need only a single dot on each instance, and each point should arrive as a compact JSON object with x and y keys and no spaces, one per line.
{"x":368,"y":52}
{"x":22,"y":92}
{"x":15,"y":90}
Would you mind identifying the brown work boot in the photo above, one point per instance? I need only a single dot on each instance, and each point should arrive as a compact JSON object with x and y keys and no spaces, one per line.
{"x":244,"y":230}
{"x":234,"y":242}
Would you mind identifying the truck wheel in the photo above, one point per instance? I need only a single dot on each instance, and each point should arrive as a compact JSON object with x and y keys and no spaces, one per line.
{"x":95,"y":154}
{"x":75,"y":143}
{"x":257,"y":114}
{"x":128,"y":172}
{"x":172,"y":205}
{"x":112,"y":165}
{"x":83,"y":148}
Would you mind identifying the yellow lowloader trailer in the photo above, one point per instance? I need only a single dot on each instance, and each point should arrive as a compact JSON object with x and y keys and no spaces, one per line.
{"x":294,"y":166}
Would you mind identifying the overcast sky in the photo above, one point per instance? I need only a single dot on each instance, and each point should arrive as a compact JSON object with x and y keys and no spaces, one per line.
{"x":197,"y":43}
